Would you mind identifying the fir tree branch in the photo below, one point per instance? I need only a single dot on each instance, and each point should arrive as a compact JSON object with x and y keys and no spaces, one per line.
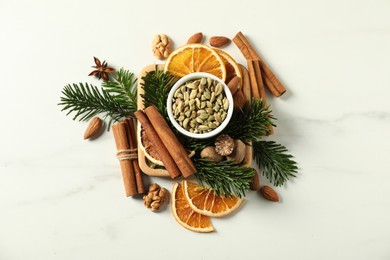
{"x":123,"y":88}
{"x":274,"y":161}
{"x":225,"y":178}
{"x":250,"y":123}
{"x":87,"y":101}
{"x":156,"y":85}
{"x":117,"y":100}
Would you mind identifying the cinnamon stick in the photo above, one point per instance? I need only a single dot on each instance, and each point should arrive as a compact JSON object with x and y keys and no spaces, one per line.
{"x":133,"y":145}
{"x":259,"y":79}
{"x":271,"y":86}
{"x":257,"y":85}
{"x":253,"y":79}
{"x":122,"y":144}
{"x":272,"y":82}
{"x":175,"y":148}
{"x":246,"y":84}
{"x":161,"y":150}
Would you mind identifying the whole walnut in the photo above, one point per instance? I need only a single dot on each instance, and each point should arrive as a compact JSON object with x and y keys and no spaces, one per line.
{"x":155,"y":197}
{"x":161,"y":46}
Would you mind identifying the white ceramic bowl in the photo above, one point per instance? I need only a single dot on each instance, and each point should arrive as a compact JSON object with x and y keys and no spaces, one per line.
{"x":191,"y":77}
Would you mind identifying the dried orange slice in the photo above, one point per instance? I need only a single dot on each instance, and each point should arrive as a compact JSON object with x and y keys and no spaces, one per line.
{"x":185,"y":216}
{"x":232,"y":68}
{"x":147,"y":147}
{"x":204,"y":201}
{"x":195,"y":57}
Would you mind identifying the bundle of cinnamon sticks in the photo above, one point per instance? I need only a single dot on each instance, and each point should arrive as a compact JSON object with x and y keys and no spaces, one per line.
{"x":126,"y":144}
{"x":171,"y":152}
{"x":260,"y":74}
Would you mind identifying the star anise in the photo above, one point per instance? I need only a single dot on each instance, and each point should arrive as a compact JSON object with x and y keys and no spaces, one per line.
{"x":101,"y":70}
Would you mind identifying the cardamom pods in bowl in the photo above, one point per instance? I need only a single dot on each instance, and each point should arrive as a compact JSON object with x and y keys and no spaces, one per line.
{"x":200,"y":105}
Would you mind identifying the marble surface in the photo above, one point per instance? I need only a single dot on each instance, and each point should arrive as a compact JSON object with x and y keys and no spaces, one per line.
{"x":63,"y":197}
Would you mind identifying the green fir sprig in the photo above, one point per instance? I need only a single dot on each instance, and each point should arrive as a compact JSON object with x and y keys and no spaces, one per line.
{"x":251,"y":122}
{"x":274,"y":161}
{"x":225,"y":178}
{"x":124,"y":88}
{"x":115,"y":100}
{"x":156,"y":85}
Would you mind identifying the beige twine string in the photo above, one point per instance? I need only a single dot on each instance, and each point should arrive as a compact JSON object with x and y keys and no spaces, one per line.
{"x":127,"y":154}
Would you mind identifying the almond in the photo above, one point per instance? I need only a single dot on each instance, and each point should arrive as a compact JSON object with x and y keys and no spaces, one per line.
{"x":233,"y":84}
{"x":196,"y":38}
{"x":219,"y":41}
{"x":239,"y":99}
{"x":255,"y":181}
{"x":269,"y":193}
{"x":93,"y":127}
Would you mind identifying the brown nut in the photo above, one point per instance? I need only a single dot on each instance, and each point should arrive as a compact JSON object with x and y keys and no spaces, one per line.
{"x":155,"y":206}
{"x":234,"y":84}
{"x":147,"y":201}
{"x":155,"y":197}
{"x":238,"y":153}
{"x":209,"y":153}
{"x":163,"y":193}
{"x":239,"y":99}
{"x":196,"y":38}
{"x":224,"y":145}
{"x":93,"y":128}
{"x":269,"y":193}
{"x":161,"y":46}
{"x":219,"y":41}
{"x":154,"y":187}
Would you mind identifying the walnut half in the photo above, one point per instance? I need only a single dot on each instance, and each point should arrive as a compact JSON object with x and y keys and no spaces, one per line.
{"x":155,"y":197}
{"x":161,"y":46}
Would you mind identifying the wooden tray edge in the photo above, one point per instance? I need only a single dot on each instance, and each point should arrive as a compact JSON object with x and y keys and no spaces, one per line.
{"x":141,"y":155}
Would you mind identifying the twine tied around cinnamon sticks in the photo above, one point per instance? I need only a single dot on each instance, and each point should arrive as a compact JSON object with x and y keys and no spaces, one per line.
{"x":127,"y":154}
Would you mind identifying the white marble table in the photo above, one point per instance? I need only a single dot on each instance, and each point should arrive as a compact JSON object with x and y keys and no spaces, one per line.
{"x":63,"y":198}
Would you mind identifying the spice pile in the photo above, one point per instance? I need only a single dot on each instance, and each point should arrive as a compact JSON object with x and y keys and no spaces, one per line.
{"x":221,"y":165}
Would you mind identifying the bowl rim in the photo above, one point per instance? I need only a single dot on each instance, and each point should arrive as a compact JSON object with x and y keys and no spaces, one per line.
{"x":193,"y":76}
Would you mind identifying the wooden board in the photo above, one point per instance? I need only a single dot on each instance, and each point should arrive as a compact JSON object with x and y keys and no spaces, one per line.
{"x":142,"y":160}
